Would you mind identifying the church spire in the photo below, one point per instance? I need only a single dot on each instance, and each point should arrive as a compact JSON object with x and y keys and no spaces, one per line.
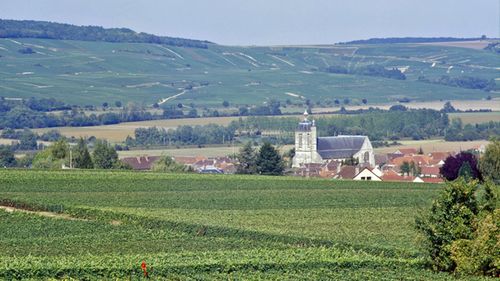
{"x":306,"y":114}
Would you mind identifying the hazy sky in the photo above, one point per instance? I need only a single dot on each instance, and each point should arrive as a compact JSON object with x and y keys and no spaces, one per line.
{"x":265,"y":22}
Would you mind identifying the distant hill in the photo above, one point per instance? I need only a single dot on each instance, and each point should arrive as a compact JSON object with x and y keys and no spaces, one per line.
{"x":50,"y":30}
{"x":93,"y":65}
{"x":398,"y":40}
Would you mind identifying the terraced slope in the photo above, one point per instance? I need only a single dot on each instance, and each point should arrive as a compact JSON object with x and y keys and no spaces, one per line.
{"x":84,"y":73}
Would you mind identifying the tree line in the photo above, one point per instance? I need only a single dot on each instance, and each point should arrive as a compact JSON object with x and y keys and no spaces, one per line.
{"x":466,"y":82}
{"x":379,"y":126}
{"x":368,"y":70}
{"x":51,"y":30}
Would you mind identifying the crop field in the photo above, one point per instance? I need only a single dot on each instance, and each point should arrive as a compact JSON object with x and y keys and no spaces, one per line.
{"x":95,"y":72}
{"x":119,"y":132}
{"x":476,"y":117}
{"x":102,"y":225}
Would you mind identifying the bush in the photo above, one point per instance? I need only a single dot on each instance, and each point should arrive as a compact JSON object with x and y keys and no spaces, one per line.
{"x":461,"y":231}
{"x":480,"y":256}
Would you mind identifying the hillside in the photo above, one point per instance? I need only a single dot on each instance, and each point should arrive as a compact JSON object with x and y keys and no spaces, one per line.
{"x":58,"y":31}
{"x":209,"y":227}
{"x":89,"y":72}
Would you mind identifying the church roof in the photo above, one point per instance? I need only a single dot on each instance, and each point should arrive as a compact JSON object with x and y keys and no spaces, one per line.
{"x":339,"y":147}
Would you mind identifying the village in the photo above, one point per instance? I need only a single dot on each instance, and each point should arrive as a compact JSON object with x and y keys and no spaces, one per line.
{"x":339,"y":157}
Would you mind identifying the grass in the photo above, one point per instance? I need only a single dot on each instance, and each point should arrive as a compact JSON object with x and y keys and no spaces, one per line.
{"x":96,"y":72}
{"x":210,"y":227}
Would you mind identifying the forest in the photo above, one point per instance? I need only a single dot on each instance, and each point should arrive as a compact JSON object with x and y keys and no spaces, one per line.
{"x":50,"y":30}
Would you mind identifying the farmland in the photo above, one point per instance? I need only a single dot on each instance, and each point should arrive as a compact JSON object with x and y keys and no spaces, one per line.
{"x":90,"y":73}
{"x":209,"y":227}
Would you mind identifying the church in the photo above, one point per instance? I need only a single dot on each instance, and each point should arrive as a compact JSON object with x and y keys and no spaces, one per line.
{"x":309,"y":148}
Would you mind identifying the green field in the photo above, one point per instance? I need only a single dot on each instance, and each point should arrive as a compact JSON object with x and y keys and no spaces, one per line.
{"x":209,"y":227}
{"x":84,"y":73}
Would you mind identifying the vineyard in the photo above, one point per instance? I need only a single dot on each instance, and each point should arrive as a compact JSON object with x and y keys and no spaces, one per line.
{"x":102,"y":225}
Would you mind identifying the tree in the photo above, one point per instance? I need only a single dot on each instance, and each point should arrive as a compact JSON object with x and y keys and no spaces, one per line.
{"x":82,"y":159}
{"x":247,"y":160}
{"x":104,"y":155}
{"x":7,"y":158}
{"x":465,"y":171}
{"x":490,"y":162}
{"x":451,"y":218}
{"x":225,"y":103}
{"x":167,"y":164}
{"x":452,"y":164}
{"x":105,"y":104}
{"x":60,"y":149}
{"x":448,"y":108}
{"x":398,"y":107}
{"x":405,"y":168}
{"x":420,"y":151}
{"x":118,"y":103}
{"x":364,"y":101}
{"x":28,"y":141}
{"x":269,"y":161}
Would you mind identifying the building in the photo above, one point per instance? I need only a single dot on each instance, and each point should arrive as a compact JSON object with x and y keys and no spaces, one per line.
{"x":309,"y":148}
{"x":368,"y":174}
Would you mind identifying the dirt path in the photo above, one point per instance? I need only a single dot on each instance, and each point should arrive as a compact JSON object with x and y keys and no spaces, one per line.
{"x":42,"y":214}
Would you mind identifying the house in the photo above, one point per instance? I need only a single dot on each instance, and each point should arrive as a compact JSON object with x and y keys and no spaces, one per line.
{"x":391,"y":175}
{"x":430,"y":172}
{"x":309,"y":148}
{"x":141,"y":163}
{"x":368,"y":174}
{"x":347,"y":173}
{"x":406,"y":151}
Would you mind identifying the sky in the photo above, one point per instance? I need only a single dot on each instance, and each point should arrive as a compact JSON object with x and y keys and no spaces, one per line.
{"x":272,"y":22}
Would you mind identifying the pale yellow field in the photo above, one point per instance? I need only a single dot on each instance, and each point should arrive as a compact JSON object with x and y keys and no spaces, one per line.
{"x":118,"y":132}
{"x":205,"y":151}
{"x":493,"y":104}
{"x":476,"y":117}
{"x":434,"y":145}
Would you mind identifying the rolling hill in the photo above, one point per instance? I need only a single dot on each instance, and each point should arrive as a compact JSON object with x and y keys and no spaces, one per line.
{"x":93,"y":72}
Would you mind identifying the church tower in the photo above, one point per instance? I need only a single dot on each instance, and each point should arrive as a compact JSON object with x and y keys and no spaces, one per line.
{"x":306,"y":147}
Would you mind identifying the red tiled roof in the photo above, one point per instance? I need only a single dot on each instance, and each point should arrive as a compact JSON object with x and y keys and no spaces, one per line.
{"x":347,"y":172}
{"x":186,"y":160}
{"x":407,"y":151}
{"x":393,"y":176}
{"x":429,"y":170}
{"x":439,"y":155}
{"x":141,"y":163}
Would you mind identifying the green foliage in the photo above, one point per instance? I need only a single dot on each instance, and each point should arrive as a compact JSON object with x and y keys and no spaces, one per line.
{"x":451,"y":218}
{"x":405,"y":168}
{"x":81,"y":156}
{"x":50,"y":30}
{"x":480,"y":255}
{"x":460,"y":231}
{"x":104,"y":155}
{"x":60,"y":149}
{"x":489,"y":162}
{"x":7,"y":158}
{"x":465,"y":171}
{"x":45,"y":160}
{"x":269,"y":161}
{"x":167,"y":164}
{"x":247,"y":160}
